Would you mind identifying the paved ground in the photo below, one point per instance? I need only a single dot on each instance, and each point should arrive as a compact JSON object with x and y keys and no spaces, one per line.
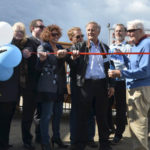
{"x":15,"y":135}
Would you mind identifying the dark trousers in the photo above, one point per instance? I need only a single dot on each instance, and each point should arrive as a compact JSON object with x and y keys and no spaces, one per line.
{"x":37,"y":117}
{"x":92,"y":90}
{"x":29,"y":105}
{"x":56,"y":120}
{"x":7,"y":110}
{"x":120,"y":103}
{"x":110,"y":117}
{"x":91,"y":125}
{"x":73,"y":116}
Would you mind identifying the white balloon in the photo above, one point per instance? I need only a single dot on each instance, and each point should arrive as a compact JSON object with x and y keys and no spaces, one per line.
{"x":6,"y":33}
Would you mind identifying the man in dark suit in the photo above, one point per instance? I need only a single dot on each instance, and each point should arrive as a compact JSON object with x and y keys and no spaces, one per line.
{"x":29,"y":94}
{"x":92,"y":84}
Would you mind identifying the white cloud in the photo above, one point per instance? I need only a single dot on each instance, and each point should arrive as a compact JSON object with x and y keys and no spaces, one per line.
{"x":138,"y":7}
{"x":69,"y":13}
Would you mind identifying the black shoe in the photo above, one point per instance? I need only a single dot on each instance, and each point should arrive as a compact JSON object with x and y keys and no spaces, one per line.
{"x":72,"y":147}
{"x":38,"y":140}
{"x":92,"y":144}
{"x":29,"y":146}
{"x":77,"y":147}
{"x":111,"y":131}
{"x":105,"y":147}
{"x":10,"y":145}
{"x":4,"y":148}
{"x":116,"y":140}
{"x":59,"y":142}
{"x":46,"y":147}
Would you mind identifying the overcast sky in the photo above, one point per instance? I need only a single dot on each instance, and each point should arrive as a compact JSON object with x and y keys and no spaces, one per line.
{"x":69,"y":13}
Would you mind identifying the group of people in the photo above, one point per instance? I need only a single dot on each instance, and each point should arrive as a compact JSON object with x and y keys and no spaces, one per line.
{"x":95,"y":81}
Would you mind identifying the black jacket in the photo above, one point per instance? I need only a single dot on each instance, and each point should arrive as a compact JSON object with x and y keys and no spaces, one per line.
{"x":33,"y":74}
{"x":53,"y":60}
{"x":9,"y":90}
{"x":80,"y":64}
{"x":28,"y":73}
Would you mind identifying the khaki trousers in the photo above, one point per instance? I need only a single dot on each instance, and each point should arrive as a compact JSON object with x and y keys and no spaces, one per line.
{"x":138,"y":101}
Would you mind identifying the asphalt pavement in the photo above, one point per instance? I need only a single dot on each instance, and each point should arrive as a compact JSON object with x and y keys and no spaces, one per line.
{"x":16,"y":140}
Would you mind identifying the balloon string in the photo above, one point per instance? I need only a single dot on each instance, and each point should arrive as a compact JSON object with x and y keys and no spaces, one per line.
{"x":84,"y":53}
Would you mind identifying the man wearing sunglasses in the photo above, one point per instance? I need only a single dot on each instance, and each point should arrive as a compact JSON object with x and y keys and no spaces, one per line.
{"x":75,"y":35}
{"x":137,"y":85}
{"x":30,"y":104}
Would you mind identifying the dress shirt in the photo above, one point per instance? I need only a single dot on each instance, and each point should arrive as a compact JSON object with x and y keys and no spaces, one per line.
{"x":95,"y":67}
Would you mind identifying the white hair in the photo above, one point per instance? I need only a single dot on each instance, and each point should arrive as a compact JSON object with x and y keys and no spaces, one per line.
{"x":96,"y":24}
{"x":135,"y":24}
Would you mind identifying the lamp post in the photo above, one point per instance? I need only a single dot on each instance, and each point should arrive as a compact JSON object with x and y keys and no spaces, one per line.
{"x":108,"y":27}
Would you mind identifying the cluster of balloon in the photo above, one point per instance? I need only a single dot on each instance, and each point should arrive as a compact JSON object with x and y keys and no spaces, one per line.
{"x":10,"y":55}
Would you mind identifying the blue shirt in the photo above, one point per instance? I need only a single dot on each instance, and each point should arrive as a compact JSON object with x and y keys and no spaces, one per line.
{"x":119,"y":59}
{"x":95,"y":67}
{"x":138,"y":73}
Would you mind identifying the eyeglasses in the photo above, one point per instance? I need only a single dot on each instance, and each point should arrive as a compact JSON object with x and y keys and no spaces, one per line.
{"x":79,"y":36}
{"x":132,"y":30}
{"x":54,"y":34}
{"x":41,"y":27}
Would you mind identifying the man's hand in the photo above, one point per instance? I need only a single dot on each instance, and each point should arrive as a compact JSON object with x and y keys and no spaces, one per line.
{"x":117,"y":50}
{"x":114,"y":73}
{"x":75,"y":54}
{"x":111,"y":92}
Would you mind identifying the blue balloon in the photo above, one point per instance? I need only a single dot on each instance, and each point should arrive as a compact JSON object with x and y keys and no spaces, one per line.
{"x":5,"y":73}
{"x":11,"y":56}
